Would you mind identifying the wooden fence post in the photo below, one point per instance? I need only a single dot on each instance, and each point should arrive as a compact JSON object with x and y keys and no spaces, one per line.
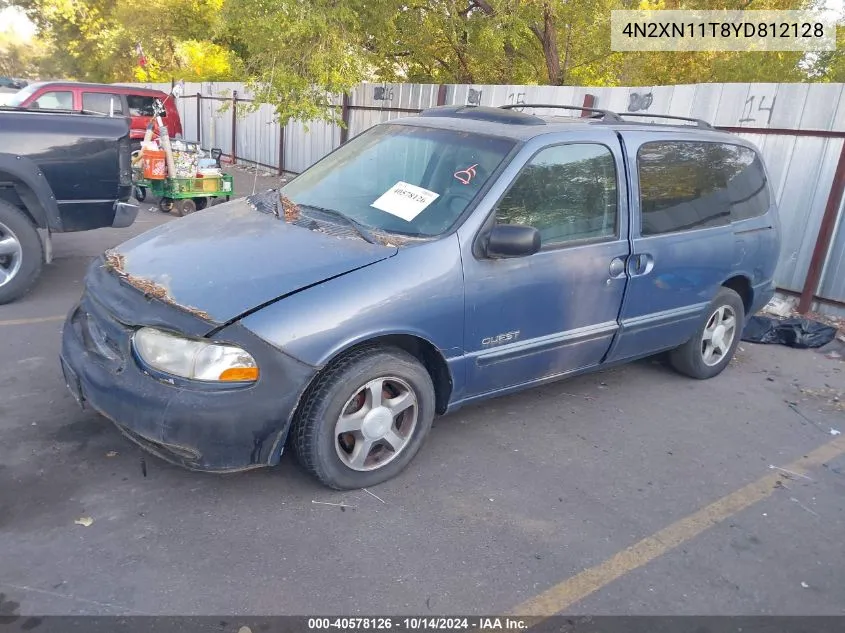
{"x":199,"y":119}
{"x":344,"y":115}
{"x":234,"y":126}
{"x":281,"y":150}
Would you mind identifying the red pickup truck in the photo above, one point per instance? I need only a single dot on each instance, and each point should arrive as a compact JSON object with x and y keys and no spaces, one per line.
{"x":129,"y":101}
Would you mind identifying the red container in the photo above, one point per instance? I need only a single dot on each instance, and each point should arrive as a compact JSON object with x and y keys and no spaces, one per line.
{"x":155,"y":164}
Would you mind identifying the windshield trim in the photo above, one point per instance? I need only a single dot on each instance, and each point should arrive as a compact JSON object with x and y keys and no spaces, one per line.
{"x":468,"y":210}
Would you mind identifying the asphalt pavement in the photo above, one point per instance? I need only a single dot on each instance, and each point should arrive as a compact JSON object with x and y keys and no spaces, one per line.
{"x":631,"y":491}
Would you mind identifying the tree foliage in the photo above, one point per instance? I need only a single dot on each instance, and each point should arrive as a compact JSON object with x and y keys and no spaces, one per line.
{"x":17,"y":57}
{"x":95,"y":40}
{"x":296,"y":54}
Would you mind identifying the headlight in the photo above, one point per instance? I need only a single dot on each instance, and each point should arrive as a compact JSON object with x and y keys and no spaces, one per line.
{"x":195,"y":359}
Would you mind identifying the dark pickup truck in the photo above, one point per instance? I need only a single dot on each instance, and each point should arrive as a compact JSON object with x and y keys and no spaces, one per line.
{"x":59,"y":172}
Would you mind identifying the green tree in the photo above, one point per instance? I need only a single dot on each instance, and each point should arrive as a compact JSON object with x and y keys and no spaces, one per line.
{"x":299,"y":55}
{"x":19,"y":58}
{"x":83,"y":39}
{"x":95,"y":39}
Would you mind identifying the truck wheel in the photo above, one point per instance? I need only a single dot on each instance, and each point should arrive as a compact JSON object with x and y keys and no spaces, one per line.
{"x":713,"y":345}
{"x":165,"y":205}
{"x":364,"y":418}
{"x":201,"y":203}
{"x":140,"y":193}
{"x":21,"y":253}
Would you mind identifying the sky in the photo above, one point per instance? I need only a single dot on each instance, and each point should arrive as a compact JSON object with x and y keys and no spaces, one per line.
{"x":836,"y":6}
{"x":13,"y":20}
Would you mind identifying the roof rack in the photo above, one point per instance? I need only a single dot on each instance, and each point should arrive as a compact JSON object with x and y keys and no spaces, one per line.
{"x":483,"y":113}
{"x":605,"y":114}
{"x":699,"y":122}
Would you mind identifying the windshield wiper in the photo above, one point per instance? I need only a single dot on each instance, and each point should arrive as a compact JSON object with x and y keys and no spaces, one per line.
{"x":360,"y":228}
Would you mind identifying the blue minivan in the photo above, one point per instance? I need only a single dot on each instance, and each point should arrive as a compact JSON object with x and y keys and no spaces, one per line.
{"x":429,"y":262}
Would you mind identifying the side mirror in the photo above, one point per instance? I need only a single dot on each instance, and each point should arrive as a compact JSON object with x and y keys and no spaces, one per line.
{"x":512,"y":240}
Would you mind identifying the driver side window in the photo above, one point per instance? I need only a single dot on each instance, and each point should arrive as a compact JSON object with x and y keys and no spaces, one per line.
{"x":55,"y":100}
{"x":567,"y":192}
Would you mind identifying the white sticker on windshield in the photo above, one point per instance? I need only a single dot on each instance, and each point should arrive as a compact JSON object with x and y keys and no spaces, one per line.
{"x":405,"y":201}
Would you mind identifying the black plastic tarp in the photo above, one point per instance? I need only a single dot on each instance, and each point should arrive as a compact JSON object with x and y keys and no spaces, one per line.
{"x":794,"y":332}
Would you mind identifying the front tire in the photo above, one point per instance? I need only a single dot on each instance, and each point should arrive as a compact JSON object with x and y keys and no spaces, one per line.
{"x":715,"y":340}
{"x":364,"y":419}
{"x":21,"y":253}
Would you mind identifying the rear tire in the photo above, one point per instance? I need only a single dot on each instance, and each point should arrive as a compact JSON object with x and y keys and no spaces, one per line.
{"x":709,"y":351}
{"x":386,"y":396}
{"x":165,"y":205}
{"x":21,"y":253}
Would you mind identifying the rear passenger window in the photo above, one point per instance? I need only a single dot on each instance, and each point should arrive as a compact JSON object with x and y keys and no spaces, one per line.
{"x":748,"y":188}
{"x":141,"y":106}
{"x":691,"y":185}
{"x":567,"y":192}
{"x":102,"y":102}
{"x":54,"y":100}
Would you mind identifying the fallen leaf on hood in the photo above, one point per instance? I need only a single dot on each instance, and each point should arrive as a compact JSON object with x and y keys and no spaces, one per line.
{"x":290,"y":209}
{"x":84,"y":521}
{"x":115,"y":261}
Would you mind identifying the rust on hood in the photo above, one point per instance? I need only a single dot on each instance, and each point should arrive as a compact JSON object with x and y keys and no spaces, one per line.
{"x":116,"y":262}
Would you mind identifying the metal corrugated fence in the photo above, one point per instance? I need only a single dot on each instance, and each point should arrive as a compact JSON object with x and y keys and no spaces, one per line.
{"x":802,"y":167}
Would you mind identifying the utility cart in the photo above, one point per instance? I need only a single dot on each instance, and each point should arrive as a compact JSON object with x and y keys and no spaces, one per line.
{"x":181,"y":196}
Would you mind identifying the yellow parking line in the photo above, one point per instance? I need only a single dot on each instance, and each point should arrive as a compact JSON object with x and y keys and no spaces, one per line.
{"x":563,"y":595}
{"x":33,"y":320}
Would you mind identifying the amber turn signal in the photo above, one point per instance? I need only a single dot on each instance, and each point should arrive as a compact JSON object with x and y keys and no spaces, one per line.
{"x":239,"y":374}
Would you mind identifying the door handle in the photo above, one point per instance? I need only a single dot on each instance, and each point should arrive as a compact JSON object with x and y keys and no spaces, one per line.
{"x":640,"y":264}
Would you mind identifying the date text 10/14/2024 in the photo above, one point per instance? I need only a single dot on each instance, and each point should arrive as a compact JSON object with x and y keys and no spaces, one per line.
{"x":418,"y":624}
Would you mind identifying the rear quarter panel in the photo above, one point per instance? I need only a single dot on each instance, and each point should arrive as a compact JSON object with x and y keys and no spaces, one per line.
{"x":758,"y":244}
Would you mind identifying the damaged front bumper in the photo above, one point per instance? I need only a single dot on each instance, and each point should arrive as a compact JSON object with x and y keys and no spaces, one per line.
{"x":198,"y":425}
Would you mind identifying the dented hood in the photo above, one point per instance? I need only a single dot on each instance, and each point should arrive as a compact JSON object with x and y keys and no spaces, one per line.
{"x":231,"y":258}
